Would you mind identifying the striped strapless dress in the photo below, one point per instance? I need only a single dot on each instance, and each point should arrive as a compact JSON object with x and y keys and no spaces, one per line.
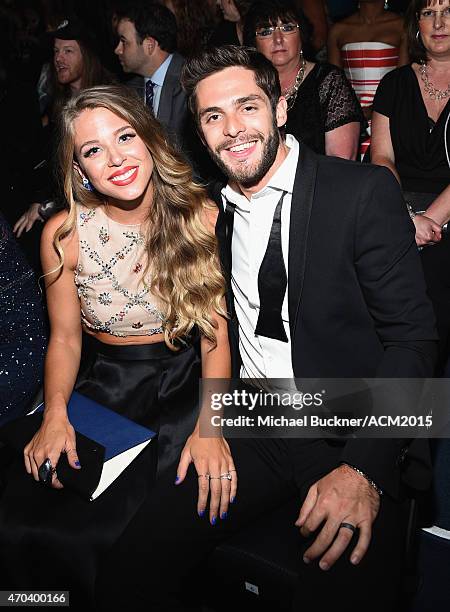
{"x":365,"y":64}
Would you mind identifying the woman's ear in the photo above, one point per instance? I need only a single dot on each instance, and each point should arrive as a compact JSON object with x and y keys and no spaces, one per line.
{"x":84,"y":179}
{"x":281,"y":111}
{"x":77,"y":168}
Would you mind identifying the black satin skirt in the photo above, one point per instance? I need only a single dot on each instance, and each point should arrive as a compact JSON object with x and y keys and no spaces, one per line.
{"x":52,"y":539}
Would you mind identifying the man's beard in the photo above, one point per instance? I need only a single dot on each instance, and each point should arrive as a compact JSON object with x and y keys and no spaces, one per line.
{"x":249,"y":176}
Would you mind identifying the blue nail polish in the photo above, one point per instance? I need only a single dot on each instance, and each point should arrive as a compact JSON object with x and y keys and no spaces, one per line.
{"x":201,"y":513}
{"x":213,"y":520}
{"x":77,"y":463}
{"x":223,"y":516}
{"x":177,"y":479}
{"x":232,"y":500}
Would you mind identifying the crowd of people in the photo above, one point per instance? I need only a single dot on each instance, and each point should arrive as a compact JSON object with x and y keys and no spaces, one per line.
{"x":208,"y":190}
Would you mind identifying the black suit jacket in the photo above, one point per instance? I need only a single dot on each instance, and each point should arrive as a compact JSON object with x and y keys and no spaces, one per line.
{"x":357,"y":298}
{"x":172,"y":109}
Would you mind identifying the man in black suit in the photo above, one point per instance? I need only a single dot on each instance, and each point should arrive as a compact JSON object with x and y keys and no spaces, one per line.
{"x":147,"y":42}
{"x":324,"y":280}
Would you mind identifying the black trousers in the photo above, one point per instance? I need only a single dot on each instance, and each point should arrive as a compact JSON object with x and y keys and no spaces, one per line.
{"x":160,"y":560}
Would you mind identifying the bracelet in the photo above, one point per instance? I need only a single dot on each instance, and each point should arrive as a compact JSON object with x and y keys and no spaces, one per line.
{"x":411,"y":212}
{"x":369,"y":480}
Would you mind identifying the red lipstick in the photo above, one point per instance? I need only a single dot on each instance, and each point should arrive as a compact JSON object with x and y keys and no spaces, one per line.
{"x":129,"y":174}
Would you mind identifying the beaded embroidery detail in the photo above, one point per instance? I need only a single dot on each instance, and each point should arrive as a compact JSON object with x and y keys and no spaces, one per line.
{"x":99,"y":283}
{"x":86,"y":216}
{"x":103,"y":235}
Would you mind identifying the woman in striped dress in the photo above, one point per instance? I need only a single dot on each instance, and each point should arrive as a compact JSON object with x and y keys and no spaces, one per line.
{"x":367,"y":45}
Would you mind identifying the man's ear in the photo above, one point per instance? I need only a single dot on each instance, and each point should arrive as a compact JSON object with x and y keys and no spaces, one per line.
{"x":281,"y":111}
{"x":149,"y":44}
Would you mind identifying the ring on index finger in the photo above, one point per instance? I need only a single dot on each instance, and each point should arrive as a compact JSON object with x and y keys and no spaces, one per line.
{"x":207,"y":476}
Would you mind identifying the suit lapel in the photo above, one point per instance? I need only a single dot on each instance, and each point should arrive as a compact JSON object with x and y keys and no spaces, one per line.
{"x":223,"y":229}
{"x":301,"y":206}
{"x":171,"y":87}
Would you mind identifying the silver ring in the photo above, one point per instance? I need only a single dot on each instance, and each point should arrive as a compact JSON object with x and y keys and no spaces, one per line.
{"x":348,"y":526}
{"x":207,"y":476}
{"x":226,"y":476}
{"x":215,"y":477}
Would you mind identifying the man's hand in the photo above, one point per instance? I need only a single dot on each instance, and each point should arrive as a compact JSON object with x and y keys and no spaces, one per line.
{"x":27,"y":220}
{"x":342,"y":496}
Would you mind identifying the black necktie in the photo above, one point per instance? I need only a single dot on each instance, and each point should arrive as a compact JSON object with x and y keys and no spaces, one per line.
{"x":150,"y":95}
{"x":272,"y":283}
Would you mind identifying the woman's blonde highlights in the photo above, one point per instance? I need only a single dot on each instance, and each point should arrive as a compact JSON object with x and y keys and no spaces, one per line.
{"x":183,"y":264}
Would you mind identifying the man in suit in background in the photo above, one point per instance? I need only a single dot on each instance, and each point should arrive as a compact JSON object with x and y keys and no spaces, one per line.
{"x":324,"y":281}
{"x":147,"y":47}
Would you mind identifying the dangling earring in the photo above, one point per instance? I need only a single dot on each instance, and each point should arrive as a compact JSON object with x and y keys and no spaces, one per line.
{"x":418,"y":35}
{"x":386,"y":5}
{"x":87,"y":184}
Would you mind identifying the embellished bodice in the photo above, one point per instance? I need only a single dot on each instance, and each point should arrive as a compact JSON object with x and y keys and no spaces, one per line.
{"x":109,"y":277}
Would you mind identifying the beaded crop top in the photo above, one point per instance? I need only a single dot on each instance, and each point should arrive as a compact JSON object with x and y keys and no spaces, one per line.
{"x":111,"y":262}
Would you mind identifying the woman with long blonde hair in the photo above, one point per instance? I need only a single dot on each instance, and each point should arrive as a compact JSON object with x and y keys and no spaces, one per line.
{"x":135,"y":301}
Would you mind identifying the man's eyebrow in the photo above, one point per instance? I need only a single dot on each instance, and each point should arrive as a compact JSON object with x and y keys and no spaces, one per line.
{"x":210,"y":109}
{"x":245,"y":99}
{"x":89,"y":142}
{"x":237,"y":102}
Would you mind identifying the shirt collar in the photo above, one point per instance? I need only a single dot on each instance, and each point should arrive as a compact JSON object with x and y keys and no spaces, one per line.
{"x":160,"y":73}
{"x":282,"y":180}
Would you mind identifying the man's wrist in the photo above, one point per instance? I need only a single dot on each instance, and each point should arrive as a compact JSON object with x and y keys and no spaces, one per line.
{"x":364,"y":475}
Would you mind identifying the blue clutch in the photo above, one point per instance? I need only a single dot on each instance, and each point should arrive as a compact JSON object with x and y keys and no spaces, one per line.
{"x":107,"y":443}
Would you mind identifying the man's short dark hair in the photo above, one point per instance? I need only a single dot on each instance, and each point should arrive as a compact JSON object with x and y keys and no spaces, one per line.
{"x":154,"y":20}
{"x":230,"y":56}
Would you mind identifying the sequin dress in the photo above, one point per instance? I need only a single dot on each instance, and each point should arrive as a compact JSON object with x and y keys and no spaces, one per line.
{"x":22,"y":330}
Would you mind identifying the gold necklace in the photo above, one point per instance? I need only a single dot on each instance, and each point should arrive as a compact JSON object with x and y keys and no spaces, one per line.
{"x":431,"y":90}
{"x":291,"y":94}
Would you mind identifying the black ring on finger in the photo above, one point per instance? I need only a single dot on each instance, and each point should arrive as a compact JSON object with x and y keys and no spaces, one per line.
{"x":348,"y":526}
{"x":45,"y":472}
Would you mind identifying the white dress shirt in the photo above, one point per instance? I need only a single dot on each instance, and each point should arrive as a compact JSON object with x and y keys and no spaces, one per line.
{"x":261,"y":357}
